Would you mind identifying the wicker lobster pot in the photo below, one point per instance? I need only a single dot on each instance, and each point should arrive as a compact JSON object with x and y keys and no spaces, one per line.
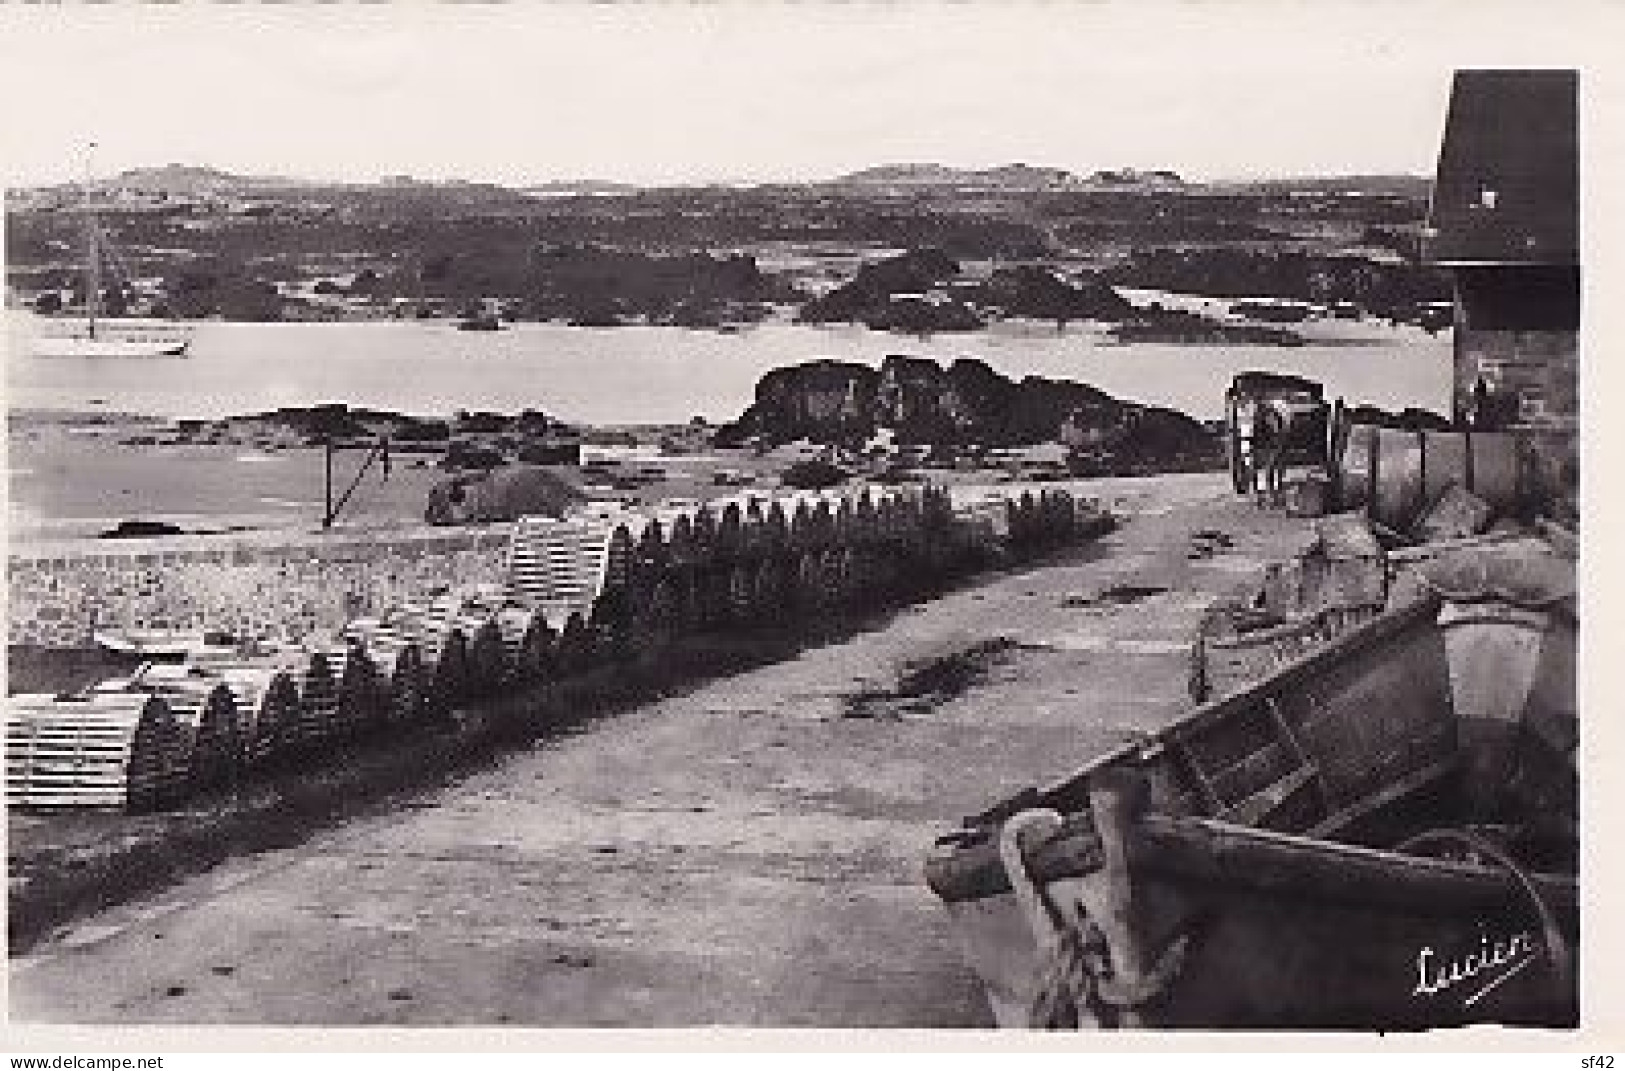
{"x":811,"y":597}
{"x":609,"y":620}
{"x":409,"y":682}
{"x":620,"y":557}
{"x":1394,"y":475}
{"x":686,"y":602}
{"x":654,"y":622}
{"x":682,"y":550}
{"x":803,"y":534}
{"x":363,"y":693}
{"x":205,"y":710}
{"x":741,"y":606}
{"x":844,"y":522}
{"x":652,"y":560}
{"x":574,"y":651}
{"x":333,"y":714}
{"x":447,"y":669}
{"x":399,"y":662}
{"x":754,"y":533}
{"x":525,"y":662}
{"x":219,"y":739}
{"x":488,"y":670}
{"x":705,"y":538}
{"x":776,"y":534}
{"x":318,"y":703}
{"x":444,"y":648}
{"x":865,"y":523}
{"x":824,"y":532}
{"x":120,"y":749}
{"x":770,"y":589}
{"x":267,"y":704}
{"x":730,"y":534}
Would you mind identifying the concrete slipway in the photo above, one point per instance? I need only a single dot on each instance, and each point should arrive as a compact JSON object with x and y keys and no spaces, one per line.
{"x":745,"y":854}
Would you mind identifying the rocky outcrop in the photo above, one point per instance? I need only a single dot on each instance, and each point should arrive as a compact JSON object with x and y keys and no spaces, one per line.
{"x":966,"y":402}
{"x":920,"y":292}
{"x":1039,"y":294}
{"x":872,"y":295}
{"x":824,"y":401}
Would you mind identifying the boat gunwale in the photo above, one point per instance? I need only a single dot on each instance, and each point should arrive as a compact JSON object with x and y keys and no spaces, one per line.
{"x":978,"y":832}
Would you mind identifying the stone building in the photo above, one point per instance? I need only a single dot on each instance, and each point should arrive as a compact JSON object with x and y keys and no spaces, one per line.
{"x":1505,"y":224}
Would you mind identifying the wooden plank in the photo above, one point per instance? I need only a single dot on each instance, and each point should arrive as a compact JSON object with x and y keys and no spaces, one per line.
{"x":1397,"y":790}
{"x":1263,"y":767}
{"x":1211,"y":799}
{"x":1216,"y":853}
{"x":1256,"y":808}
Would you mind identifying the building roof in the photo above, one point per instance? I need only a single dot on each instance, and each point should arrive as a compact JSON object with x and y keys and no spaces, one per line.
{"x":1507,"y":188}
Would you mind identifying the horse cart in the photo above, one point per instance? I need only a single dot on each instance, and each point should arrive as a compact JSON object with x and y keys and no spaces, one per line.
{"x":1273,"y":421}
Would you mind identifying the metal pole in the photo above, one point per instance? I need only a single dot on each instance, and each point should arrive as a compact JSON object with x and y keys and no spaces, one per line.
{"x":327,"y":482}
{"x":93,"y":253}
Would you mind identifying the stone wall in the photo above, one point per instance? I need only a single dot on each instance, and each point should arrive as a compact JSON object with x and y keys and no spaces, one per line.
{"x":1536,"y":372}
{"x":279,"y":586}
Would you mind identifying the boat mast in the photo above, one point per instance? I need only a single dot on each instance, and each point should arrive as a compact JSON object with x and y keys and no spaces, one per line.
{"x":93,"y":257}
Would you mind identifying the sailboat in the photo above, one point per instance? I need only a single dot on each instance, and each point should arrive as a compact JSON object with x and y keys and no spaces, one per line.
{"x":95,"y":339}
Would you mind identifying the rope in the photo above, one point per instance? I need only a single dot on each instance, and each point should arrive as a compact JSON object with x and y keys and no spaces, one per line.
{"x":1075,"y":971}
{"x":1557,"y":948}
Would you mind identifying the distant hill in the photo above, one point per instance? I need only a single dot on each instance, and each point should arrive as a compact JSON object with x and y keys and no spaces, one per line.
{"x":579,"y":188}
{"x":191,"y":180}
{"x":1411,"y":186}
{"x":1010,"y":176}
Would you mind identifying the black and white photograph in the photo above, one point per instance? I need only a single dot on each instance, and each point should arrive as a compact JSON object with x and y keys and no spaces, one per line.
{"x":920,"y":517}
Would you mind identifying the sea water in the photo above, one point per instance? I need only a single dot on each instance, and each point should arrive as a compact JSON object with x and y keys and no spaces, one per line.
{"x":633,"y":375}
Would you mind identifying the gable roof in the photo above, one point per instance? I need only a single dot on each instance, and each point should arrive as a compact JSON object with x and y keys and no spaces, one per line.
{"x":1507,"y":188}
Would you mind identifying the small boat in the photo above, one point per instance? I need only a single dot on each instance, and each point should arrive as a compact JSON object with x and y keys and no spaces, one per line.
{"x":165,"y":644}
{"x":100,"y":336}
{"x":94,"y":344}
{"x":1379,"y":834}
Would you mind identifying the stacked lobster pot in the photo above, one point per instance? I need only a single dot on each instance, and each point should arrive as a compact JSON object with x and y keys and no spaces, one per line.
{"x":214,"y":728}
{"x":98,"y":749}
{"x":267,"y":696}
{"x":579,"y":593}
{"x":398,"y":662}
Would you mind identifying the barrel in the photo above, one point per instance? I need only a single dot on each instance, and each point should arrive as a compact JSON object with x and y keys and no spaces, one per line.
{"x":1396,"y":475}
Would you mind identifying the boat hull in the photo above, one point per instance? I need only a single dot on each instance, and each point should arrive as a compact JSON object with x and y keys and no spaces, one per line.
{"x":1223,"y":866}
{"x":109,"y":347}
{"x":1279,"y":935}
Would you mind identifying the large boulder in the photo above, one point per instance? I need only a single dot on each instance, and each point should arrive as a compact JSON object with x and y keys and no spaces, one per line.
{"x":502,"y":495}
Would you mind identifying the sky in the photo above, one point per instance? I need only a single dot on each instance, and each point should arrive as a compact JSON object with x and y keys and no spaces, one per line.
{"x":690,"y":92}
